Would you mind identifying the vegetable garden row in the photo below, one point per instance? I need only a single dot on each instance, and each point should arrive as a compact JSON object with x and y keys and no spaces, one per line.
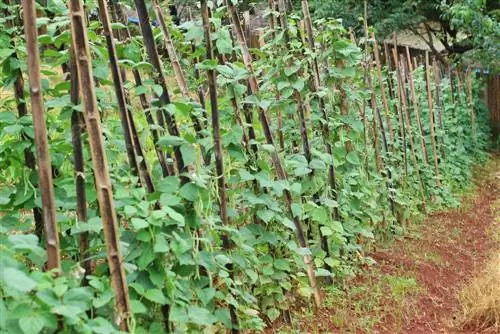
{"x":167,"y":179}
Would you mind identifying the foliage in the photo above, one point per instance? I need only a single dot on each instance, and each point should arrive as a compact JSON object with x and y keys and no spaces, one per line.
{"x":172,"y":238}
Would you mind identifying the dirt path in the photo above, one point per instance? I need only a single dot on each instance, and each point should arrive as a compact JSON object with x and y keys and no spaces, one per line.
{"x":453,"y":246}
{"x":413,"y":287}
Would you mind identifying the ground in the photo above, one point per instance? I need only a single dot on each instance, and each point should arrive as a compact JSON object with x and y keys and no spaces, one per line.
{"x":415,"y":284}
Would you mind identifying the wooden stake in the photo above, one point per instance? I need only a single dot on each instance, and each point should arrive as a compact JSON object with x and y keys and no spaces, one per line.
{"x":402,"y":131}
{"x":219,"y":163}
{"x":254,"y":88}
{"x":118,"y":84}
{"x":382,"y":89}
{"x":100,"y":165}
{"x":119,"y":16}
{"x":416,"y":108}
{"x":29,"y":157}
{"x":79,"y":164}
{"x":41,"y":142}
{"x":439,"y":103}
{"x":164,"y":97}
{"x":431,"y":118}
{"x":410,"y":140}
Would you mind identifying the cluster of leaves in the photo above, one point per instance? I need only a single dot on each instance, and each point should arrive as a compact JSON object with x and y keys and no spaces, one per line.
{"x":173,"y":252}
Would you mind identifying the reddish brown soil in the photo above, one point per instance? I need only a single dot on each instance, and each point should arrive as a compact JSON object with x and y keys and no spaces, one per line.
{"x":460,"y":240}
{"x":442,"y":254}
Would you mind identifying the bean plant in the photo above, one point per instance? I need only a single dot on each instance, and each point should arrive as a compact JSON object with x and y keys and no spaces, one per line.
{"x":206,"y":182}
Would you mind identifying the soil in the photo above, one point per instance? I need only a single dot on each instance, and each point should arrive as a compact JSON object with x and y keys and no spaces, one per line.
{"x":441,"y":254}
{"x":463,"y":252}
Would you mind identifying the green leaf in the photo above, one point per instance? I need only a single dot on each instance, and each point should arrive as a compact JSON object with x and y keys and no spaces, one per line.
{"x":161,"y":244}
{"x":292,"y":70}
{"x":32,"y":325}
{"x":156,"y":296}
{"x":16,"y":279}
{"x":301,"y":171}
{"x":352,"y":157}
{"x":189,"y":191}
{"x":320,"y":214}
{"x":169,"y":185}
{"x":139,"y":223}
{"x":188,"y":154}
{"x":201,"y":316}
{"x":139,"y":90}
{"x":158,"y":90}
{"x":138,"y":307}
{"x":5,"y":53}
{"x":170,"y":141}
{"x":174,"y":214}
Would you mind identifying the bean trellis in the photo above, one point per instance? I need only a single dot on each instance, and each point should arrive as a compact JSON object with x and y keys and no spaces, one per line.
{"x":190,"y":214}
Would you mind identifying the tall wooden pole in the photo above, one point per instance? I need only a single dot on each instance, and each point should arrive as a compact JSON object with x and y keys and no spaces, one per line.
{"x":79,"y":163}
{"x":219,"y":157}
{"x":100,"y":164}
{"x":280,"y":172}
{"x":416,"y":108}
{"x":118,"y":84}
{"x":41,"y":142}
{"x":382,"y":88}
{"x":431,"y":118}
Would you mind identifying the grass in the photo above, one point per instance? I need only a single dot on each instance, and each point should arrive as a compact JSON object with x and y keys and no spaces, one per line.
{"x":480,"y":300}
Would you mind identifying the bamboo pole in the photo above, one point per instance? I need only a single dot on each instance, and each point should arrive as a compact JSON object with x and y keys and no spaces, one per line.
{"x":439,"y":102}
{"x":29,"y":157}
{"x":79,"y":164}
{"x":41,"y":142}
{"x":382,"y":89}
{"x":219,"y":162}
{"x":431,"y":118}
{"x":416,"y":108}
{"x":402,"y":131}
{"x":378,"y":117}
{"x":390,"y":68}
{"x":325,"y":129}
{"x":254,"y":88}
{"x":164,"y":97}
{"x":100,"y":165}
{"x":118,"y":84}
{"x":470,"y":100}
{"x":118,"y":16}
{"x":401,"y":89}
{"x":179,"y":76}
